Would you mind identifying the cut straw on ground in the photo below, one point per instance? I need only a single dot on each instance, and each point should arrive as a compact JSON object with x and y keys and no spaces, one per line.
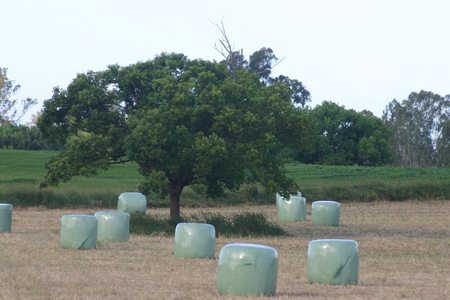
{"x":404,"y":253}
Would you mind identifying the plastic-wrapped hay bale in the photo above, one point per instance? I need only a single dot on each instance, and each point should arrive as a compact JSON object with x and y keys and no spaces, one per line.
{"x":247,"y":269}
{"x":293,"y":209}
{"x":333,"y":261}
{"x":325,"y":213}
{"x":78,"y":232}
{"x":113,"y":226}
{"x":278,"y":196}
{"x":5,"y":217}
{"x":195,"y":240}
{"x":133,"y":203}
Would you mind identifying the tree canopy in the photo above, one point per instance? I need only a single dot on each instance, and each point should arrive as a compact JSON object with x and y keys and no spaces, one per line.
{"x":261,"y":63}
{"x":9,"y":108}
{"x":183,"y":122}
{"x":21,"y":137}
{"x":421,"y":129}
{"x":347,"y":137}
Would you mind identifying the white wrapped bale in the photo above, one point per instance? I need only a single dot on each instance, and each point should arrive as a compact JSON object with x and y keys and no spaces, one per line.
{"x":133,"y":203}
{"x":325,"y":213}
{"x":293,"y":209}
{"x":247,"y":269}
{"x":113,"y":226}
{"x":278,"y":196}
{"x":78,"y":232}
{"x":5,"y":217}
{"x":195,"y":240}
{"x":333,"y":261}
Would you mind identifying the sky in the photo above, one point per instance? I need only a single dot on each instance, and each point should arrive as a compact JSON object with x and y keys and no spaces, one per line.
{"x":358,"y":54}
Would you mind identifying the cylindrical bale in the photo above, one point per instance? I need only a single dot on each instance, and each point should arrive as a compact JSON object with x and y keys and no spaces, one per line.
{"x":292,"y":209}
{"x":5,"y":217}
{"x":78,"y":232}
{"x":133,"y":203}
{"x":333,"y":261}
{"x":247,"y":269}
{"x":325,"y":213}
{"x":113,"y":226}
{"x":278,"y":196}
{"x":195,"y":240}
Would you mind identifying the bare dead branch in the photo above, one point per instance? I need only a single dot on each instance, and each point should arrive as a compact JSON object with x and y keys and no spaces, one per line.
{"x":224,"y":41}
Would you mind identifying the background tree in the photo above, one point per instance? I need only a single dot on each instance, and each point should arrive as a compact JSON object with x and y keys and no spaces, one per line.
{"x":347,"y":137}
{"x":235,"y":60}
{"x":417,"y":124}
{"x":21,"y":137}
{"x":444,"y":145}
{"x":9,"y":108}
{"x":261,"y":63}
{"x":299,"y":94}
{"x":183,"y":122}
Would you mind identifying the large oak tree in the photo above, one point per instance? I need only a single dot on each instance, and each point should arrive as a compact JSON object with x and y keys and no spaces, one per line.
{"x":183,"y":122}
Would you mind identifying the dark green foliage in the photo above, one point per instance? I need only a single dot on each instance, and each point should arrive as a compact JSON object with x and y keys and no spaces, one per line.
{"x":347,"y":137}
{"x":183,"y":122}
{"x":34,"y":197}
{"x":222,"y":224}
{"x":243,"y":224}
{"x":148,"y":225}
{"x":251,"y":224}
{"x":261,"y":62}
{"x":300,"y":95}
{"x":21,"y":137}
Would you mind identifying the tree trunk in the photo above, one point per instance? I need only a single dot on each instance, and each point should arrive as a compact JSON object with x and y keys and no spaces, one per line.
{"x":174,"y":204}
{"x":176,"y":187}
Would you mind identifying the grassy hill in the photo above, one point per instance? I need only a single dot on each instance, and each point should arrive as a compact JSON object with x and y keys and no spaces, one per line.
{"x":22,"y":171}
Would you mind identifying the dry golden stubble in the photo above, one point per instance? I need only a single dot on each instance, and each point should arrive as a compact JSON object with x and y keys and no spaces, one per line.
{"x":404,"y":253}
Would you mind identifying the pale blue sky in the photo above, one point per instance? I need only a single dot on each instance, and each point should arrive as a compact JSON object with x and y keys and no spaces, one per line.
{"x":360,"y":54}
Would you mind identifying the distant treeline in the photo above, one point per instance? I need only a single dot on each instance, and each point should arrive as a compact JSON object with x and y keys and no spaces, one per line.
{"x":414,"y":133}
{"x":21,"y":137}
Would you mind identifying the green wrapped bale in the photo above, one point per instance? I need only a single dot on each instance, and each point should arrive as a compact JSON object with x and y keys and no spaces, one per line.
{"x":195,"y":240}
{"x":292,"y":209}
{"x":5,"y":217}
{"x":247,"y":269}
{"x":113,"y":226}
{"x":78,"y":232}
{"x":133,"y":203}
{"x":278,"y":196}
{"x":325,"y":213}
{"x":333,"y":261}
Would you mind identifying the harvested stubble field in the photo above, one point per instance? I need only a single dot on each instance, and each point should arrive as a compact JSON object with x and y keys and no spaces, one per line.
{"x":404,"y":253}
